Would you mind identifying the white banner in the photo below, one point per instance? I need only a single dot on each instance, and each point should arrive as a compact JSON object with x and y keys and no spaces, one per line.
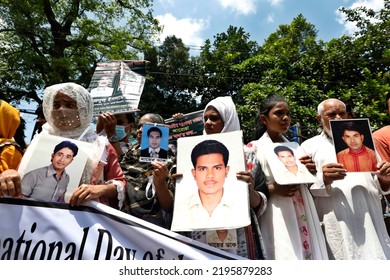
{"x":55,"y":231}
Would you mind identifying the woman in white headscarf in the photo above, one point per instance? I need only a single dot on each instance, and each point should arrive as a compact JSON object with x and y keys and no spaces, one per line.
{"x":221,"y":116}
{"x":68,"y":109}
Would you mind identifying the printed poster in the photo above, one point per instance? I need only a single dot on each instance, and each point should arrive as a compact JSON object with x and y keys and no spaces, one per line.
{"x":283,"y":159}
{"x":116,"y":86}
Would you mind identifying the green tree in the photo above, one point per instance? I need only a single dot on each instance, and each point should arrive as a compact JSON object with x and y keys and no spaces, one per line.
{"x":47,"y":42}
{"x":294,"y":64}
{"x":218,"y":76}
{"x":171,"y":82}
{"x":288,"y":64}
{"x":358,"y":66}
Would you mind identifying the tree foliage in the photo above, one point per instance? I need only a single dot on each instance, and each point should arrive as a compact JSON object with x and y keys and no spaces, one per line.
{"x":294,"y":64}
{"x":171,"y":82}
{"x":218,"y":76}
{"x":47,"y":42}
{"x":288,"y":64}
{"x":43,"y":42}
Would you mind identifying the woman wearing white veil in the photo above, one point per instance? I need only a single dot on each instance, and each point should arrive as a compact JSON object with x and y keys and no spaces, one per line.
{"x":68,"y":109}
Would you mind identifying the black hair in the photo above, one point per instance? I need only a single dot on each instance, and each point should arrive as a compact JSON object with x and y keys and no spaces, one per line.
{"x":39,"y":112}
{"x":130,"y":117}
{"x":282,"y":148}
{"x":265,"y":107}
{"x":387,"y":101}
{"x":349,"y":108}
{"x":352,"y":126}
{"x":154,"y":128}
{"x":66,"y":144}
{"x":209,"y":147}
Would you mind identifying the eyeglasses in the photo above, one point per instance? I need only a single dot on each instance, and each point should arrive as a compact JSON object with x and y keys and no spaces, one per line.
{"x":333,"y":115}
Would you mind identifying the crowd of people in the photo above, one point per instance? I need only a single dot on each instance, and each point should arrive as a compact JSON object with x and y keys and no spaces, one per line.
{"x":338,"y":217}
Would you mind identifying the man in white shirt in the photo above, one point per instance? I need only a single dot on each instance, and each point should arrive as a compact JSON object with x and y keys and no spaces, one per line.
{"x":295,"y":172}
{"x":348,"y":204}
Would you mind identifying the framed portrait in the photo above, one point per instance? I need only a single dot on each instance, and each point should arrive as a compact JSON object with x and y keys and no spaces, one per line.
{"x":154,"y":144}
{"x":354,"y":145}
{"x":209,"y":196}
{"x":285,"y":166}
{"x":39,"y":156}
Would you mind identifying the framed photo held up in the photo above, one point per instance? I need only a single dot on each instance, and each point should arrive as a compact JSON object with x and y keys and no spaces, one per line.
{"x":354,"y":145}
{"x":52,"y":166}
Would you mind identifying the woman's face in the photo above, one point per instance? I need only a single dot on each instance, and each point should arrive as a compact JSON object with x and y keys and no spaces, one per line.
{"x":65,"y":112}
{"x":213,"y":122}
{"x":278,"y":119}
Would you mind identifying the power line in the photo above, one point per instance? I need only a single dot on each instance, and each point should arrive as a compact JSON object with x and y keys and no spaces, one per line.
{"x":246,"y":78}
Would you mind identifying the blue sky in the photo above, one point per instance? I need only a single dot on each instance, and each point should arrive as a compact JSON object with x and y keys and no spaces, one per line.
{"x":194,"y":21}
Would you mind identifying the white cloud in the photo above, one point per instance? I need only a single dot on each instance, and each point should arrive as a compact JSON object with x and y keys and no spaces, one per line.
{"x":350,"y":27}
{"x":270,"y":18}
{"x":165,"y":3}
{"x":275,"y":3}
{"x":240,"y":6}
{"x":188,"y":29}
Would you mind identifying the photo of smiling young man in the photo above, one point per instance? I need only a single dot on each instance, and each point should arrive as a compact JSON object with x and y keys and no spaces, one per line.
{"x":50,"y":183}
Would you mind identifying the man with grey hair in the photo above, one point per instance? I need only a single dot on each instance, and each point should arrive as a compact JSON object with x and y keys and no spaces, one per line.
{"x":348,"y":204}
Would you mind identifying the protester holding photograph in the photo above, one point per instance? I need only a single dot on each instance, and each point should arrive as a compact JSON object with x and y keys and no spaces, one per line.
{"x":149,"y":193}
{"x":220,"y":116}
{"x":68,"y":110}
{"x":290,"y":225}
{"x":348,"y":204}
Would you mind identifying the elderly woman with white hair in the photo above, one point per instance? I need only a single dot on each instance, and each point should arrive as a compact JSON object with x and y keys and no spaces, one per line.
{"x":68,"y":109}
